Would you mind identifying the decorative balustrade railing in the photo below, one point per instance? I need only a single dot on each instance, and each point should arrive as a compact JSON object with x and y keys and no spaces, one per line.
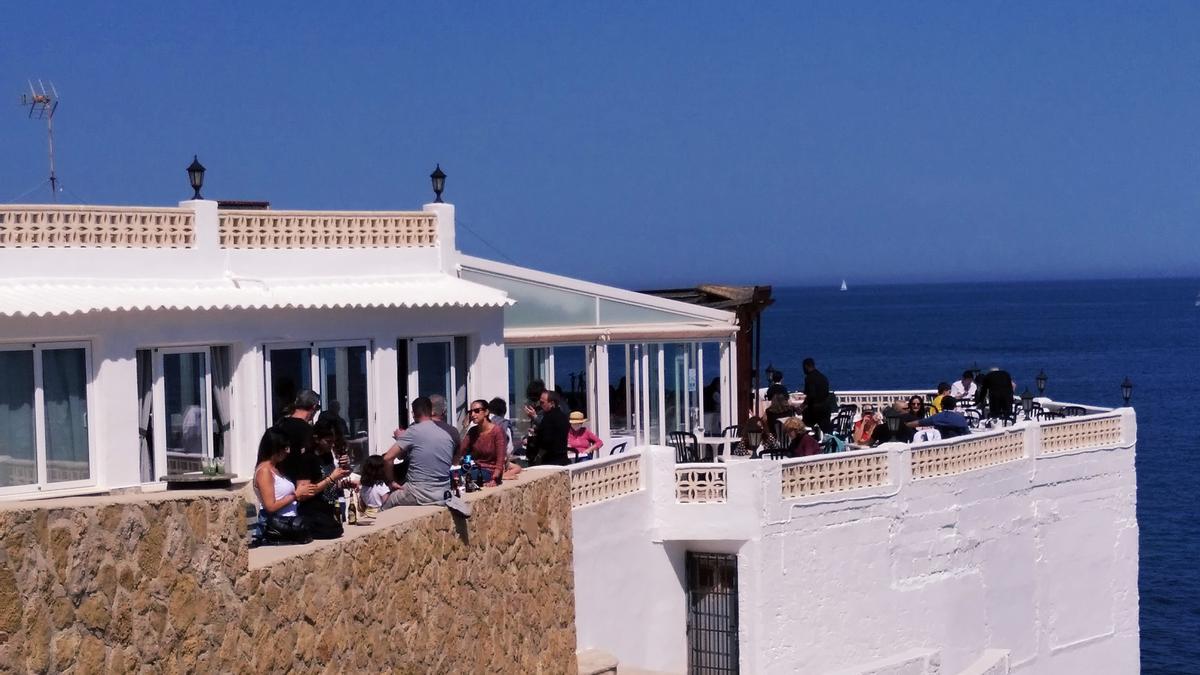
{"x":604,"y":479}
{"x":880,"y":398}
{"x":826,"y":474}
{"x":52,"y":226}
{"x":967,"y":453}
{"x":326,"y":229}
{"x":1081,"y":433}
{"x":700,"y":484}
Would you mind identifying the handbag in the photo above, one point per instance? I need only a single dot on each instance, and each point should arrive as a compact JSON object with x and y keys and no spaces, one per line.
{"x":285,"y":530}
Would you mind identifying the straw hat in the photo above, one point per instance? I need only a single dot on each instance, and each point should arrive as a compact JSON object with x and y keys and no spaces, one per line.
{"x":578,"y":418}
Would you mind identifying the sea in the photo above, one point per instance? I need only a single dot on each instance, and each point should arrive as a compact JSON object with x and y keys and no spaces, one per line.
{"x":1087,"y":336}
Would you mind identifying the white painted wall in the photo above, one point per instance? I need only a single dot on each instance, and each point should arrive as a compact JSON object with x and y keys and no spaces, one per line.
{"x":1036,"y":556}
{"x":115,"y":337}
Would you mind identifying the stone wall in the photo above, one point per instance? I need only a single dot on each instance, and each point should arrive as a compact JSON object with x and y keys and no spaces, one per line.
{"x":164,"y":584}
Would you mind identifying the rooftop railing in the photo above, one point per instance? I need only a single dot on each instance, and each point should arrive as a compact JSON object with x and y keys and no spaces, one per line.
{"x":326,"y":229}
{"x":53,"y":226}
{"x":859,"y":470}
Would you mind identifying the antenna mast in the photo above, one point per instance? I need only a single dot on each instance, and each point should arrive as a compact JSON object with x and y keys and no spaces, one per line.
{"x":42,"y":103}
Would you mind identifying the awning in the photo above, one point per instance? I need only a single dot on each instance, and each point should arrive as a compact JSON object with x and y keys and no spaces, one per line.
{"x":63,"y":297}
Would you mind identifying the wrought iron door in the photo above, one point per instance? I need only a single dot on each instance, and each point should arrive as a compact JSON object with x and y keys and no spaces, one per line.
{"x":712,"y":626}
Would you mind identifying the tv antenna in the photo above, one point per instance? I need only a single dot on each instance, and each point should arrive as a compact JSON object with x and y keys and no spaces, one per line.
{"x":42,"y":103}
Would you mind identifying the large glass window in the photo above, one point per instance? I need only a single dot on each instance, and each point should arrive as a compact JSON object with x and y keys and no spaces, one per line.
{"x":18,"y":444}
{"x":291,"y":373}
{"x":344,"y":387}
{"x":44,"y":441}
{"x":713,"y":402}
{"x":680,"y":387}
{"x":571,"y":377}
{"x":339,"y":372}
{"x":433,"y":370}
{"x":620,"y":399}
{"x":186,"y":410}
{"x":525,"y":364}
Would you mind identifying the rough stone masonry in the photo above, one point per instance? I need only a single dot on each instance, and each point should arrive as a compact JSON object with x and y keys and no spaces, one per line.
{"x":150,"y":584}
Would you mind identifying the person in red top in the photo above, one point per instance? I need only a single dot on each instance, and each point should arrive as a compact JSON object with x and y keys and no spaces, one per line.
{"x":486,"y":443}
{"x":580,"y":439}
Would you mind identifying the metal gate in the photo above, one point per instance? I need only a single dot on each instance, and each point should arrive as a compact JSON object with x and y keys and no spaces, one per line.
{"x":712,"y":626}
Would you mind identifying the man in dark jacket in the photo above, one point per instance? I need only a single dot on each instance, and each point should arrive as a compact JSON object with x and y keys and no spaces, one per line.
{"x":996,"y":389}
{"x":551,"y":431}
{"x":817,"y":408}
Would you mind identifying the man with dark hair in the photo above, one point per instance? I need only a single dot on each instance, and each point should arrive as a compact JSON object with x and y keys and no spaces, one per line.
{"x":964,"y":389}
{"x":551,"y":438}
{"x":296,"y":426}
{"x":777,"y":386}
{"x":949,"y":422}
{"x":430,"y":451}
{"x":817,"y":406}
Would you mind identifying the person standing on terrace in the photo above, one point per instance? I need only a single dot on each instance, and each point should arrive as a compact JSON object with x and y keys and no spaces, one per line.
{"x":430,"y":451}
{"x":817,"y":408}
{"x":551,"y":439}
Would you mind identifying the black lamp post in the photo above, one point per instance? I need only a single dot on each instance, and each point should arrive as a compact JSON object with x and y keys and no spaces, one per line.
{"x":1041,"y":382}
{"x":1127,"y":389}
{"x":196,"y":176}
{"x":1027,"y":403}
{"x":893,"y":424}
{"x":439,"y":183}
{"x":975,"y":371}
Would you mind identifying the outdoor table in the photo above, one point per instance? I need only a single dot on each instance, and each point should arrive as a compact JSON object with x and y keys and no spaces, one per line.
{"x":726,"y":441}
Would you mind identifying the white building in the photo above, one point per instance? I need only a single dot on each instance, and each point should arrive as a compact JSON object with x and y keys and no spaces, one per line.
{"x":141,"y":342}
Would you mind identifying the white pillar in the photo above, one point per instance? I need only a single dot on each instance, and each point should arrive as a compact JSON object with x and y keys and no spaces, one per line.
{"x":447,"y":248}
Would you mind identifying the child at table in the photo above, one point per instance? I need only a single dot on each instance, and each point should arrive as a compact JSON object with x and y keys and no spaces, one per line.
{"x":373,"y":489}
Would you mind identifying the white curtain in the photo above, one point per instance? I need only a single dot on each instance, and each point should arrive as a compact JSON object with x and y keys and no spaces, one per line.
{"x":17,"y":449}
{"x":145,"y":378}
{"x":64,"y":387}
{"x":222,"y":424}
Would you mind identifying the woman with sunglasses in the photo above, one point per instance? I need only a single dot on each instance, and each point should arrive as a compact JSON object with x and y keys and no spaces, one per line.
{"x":486,"y":443}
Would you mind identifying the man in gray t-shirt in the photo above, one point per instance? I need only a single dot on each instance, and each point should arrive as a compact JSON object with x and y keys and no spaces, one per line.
{"x":430,"y":451}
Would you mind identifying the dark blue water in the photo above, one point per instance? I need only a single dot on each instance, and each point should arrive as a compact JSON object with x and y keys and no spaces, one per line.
{"x":1087,"y":336}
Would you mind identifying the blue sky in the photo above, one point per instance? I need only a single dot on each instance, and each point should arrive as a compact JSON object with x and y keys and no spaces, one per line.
{"x":652,"y":144}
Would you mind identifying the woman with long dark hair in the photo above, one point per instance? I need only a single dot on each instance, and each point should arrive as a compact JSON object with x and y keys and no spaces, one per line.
{"x":277,"y":494}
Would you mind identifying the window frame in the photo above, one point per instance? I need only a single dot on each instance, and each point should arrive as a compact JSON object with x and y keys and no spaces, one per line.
{"x":43,"y":485}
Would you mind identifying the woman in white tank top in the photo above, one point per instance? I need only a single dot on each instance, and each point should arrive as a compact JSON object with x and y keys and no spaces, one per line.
{"x":276,"y":493}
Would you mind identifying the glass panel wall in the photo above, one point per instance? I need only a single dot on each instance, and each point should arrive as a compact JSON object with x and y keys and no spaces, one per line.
{"x":620,"y":400}
{"x":291,"y":373}
{"x":64,"y":384}
{"x":571,"y":377}
{"x":525,"y":364}
{"x":681,"y":388}
{"x":713,"y":401}
{"x":18,"y":444}
{"x":344,"y":388}
{"x":186,"y":410}
{"x":433,"y":370}
{"x":657,"y":430}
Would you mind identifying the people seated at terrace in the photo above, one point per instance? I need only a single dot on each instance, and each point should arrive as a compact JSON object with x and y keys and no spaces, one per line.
{"x":864,"y":428}
{"x":949,"y":423}
{"x":484,"y":442}
{"x":581,"y":439}
{"x":964,"y":389}
{"x":438,"y":402}
{"x":374,"y":489}
{"x":943,"y":390}
{"x":430,"y":450}
{"x":778,"y":410}
{"x":322,"y":471}
{"x":296,"y":426}
{"x":277,"y":494}
{"x":777,"y":387}
{"x":798,"y":441}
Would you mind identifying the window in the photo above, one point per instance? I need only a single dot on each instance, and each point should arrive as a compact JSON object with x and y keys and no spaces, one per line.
{"x":571,"y":377}
{"x":525,"y":364}
{"x":44,"y":415}
{"x":620,"y":398}
{"x":429,"y":366}
{"x":342,"y":380}
{"x":184,"y":409}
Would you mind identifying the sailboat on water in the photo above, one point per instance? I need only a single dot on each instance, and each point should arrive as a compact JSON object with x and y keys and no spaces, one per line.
{"x":843,"y":288}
